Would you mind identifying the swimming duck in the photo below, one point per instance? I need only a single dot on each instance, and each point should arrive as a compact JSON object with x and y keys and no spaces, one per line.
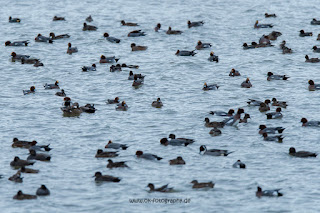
{"x":130,"y":66}
{"x":35,"y":147}
{"x":187,"y":140}
{"x":62,"y":93}
{"x":286,"y":50}
{"x":185,"y":53}
{"x":245,"y":118}
{"x":315,"y":22}
{"x":312,"y":60}
{"x":246,"y":84}
{"x":234,"y":120}
{"x":270,"y":130}
{"x":318,"y":38}
{"x":30,"y":61}
{"x":213,"y":152}
{"x":131,"y":76}
{"x":122,"y":107}
{"x":104,"y":59}
{"x":246,"y":46}
{"x":111,"y":39}
{"x":43,"y":191}
{"x":215,"y":132}
{"x":52,"y":36}
{"x":16,"y":177}
{"x":164,"y":188}
{"x":136,"y":33}
{"x":157,"y":28}
{"x":257,"y":25}
{"x":38,"y":156}
{"x":301,"y":154}
{"x":87,"y":68}
{"x":173,"y":32}
{"x":274,"y":35}
{"x":213,"y":124}
{"x":137,"y":81}
{"x":99,"y":177}
{"x":114,"y":68}
{"x":271,"y":76}
{"x":197,"y":185}
{"x":22,"y":144}
{"x":71,"y":50}
{"x":71,"y":111}
{"x":210,"y":87}
{"x":268,"y":193}
{"x":102,"y":154}
{"x":239,"y":165}
{"x":52,"y":86}
{"x":201,"y":45}
{"x":15,"y":56}
{"x":17,"y":162}
{"x":313,"y":86}
{"x":195,"y":24}
{"x":283,"y":44}
{"x":17,"y":43}
{"x":112,"y":145}
{"x":177,"y":161}
{"x":56,"y":18}
{"x":89,"y":19}
{"x":157,"y":104}
{"x":264,"y":40}
{"x":221,"y":113}
{"x":32,"y":90}
{"x":316,"y":49}
{"x":303,"y":34}
{"x":23,"y":169}
{"x":134,"y":47}
{"x":276,"y":138}
{"x":88,"y":108}
{"x":119,"y":164}
{"x":306,"y":123}
{"x":115,"y":101}
{"x":274,"y":115}
{"x":213,"y":57}
{"x":41,"y":38}
{"x":270,"y":15}
{"x":234,"y":73}
{"x":14,"y":20}
{"x":21,"y":196}
{"x":147,"y":156}
{"x":282,"y":104}
{"x":131,"y":24}
{"x":174,"y":142}
{"x":87,"y":27}
{"x":253,"y":102}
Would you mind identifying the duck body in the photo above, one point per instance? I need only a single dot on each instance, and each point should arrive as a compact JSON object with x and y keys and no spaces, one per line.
{"x":197,"y":185}
{"x":102,"y":154}
{"x":111,"y":59}
{"x":239,"y":165}
{"x":87,"y":27}
{"x":41,"y":38}
{"x":43,"y":191}
{"x":119,"y":164}
{"x":177,"y":161}
{"x":105,"y":178}
{"x":301,"y":154}
{"x":112,"y":145}
{"x":38,"y":156}
{"x":271,"y":76}
{"x":147,"y":156}
{"x":87,"y":68}
{"x":164,"y":188}
{"x":88,"y":108}
{"x":136,"y":33}
{"x":21,"y":196}
{"x":195,"y":24}
{"x":213,"y":152}
{"x":52,"y":36}
{"x":268,"y":193}
{"x":17,"y":43}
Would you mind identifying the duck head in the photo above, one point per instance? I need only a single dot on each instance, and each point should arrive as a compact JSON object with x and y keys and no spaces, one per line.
{"x":203,"y":148}
{"x":270,"y":73}
{"x":151,"y":186}
{"x":106,"y":35}
{"x":304,"y":120}
{"x":199,"y":42}
{"x":262,"y":127}
{"x":314,"y":47}
{"x":292,"y":150}
{"x":159,"y":25}
{"x":8,"y":43}
{"x":211,"y":53}
{"x":278,"y":109}
{"x":99,"y":151}
{"x":84,"y":24}
{"x":169,"y":28}
{"x":123,"y":22}
{"x":97,"y":174}
{"x":194,"y":182}
{"x":311,"y":82}
{"x":189,"y":22}
{"x":110,"y":161}
{"x":16,"y":158}
{"x":133,"y":45}
{"x":245,"y":45}
{"x":13,"y":54}
{"x":164,"y":141}
{"x":178,"y":51}
{"x":139,"y":153}
{"x":207,"y":120}
{"x":102,"y":57}
{"x":307,"y":57}
{"x":179,"y":158}
{"x":69,"y":44}
{"x":32,"y":89}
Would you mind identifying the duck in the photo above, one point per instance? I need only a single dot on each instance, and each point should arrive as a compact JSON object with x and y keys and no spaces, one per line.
{"x":15,"y":56}
{"x":215,"y":132}
{"x":318,"y":38}
{"x":187,"y":140}
{"x":253,"y":102}
{"x":137,"y":82}
{"x":282,"y":104}
{"x":71,"y":50}
{"x":111,"y":39}
{"x":303,"y":34}
{"x":222,"y":113}
{"x":316,"y":49}
{"x":264,"y":40}
{"x":177,"y":161}
{"x":274,"y":35}
{"x":185,"y":53}
{"x":102,"y":154}
{"x":32,"y":90}
{"x":246,"y":83}
{"x":173,"y":32}
{"x":120,"y":164}
{"x":113,"y":101}
{"x":234,"y":120}
{"x":99,"y":177}
{"x":31,"y":61}
{"x":276,"y":138}
{"x":239,"y":164}
{"x":270,"y":130}
{"x":38,"y":156}
{"x":301,"y":154}
{"x":213,"y":152}
{"x":257,"y":25}
{"x":23,"y":169}
{"x":157,"y":28}
{"x":17,"y":162}
{"x":87,"y":68}
{"x":22,"y":144}
{"x":56,"y":18}
{"x":43,"y":191}
{"x":89,"y":19}
{"x":264,"y":107}
{"x":157,"y":104}
{"x":41,"y":38}
{"x":131,"y":24}
{"x":213,"y":57}
{"x":71,"y":111}
{"x":306,"y":123}
{"x":201,"y":45}
{"x":52,"y":36}
{"x":195,"y":24}
{"x":312,"y":86}
{"x":104,"y":59}
{"x":88,"y":108}
{"x":122,"y":107}
{"x":35,"y":147}
{"x":275,"y":115}
{"x":164,"y":188}
{"x":16,"y":177}
{"x":21,"y":196}
{"x":270,"y":15}
{"x":61,"y":93}
{"x":87,"y":27}
{"x":286,"y":50}
{"x":210,"y":87}
{"x":213,"y":124}
{"x":268,"y":193}
{"x":174,"y":142}
{"x":234,"y":73}
{"x":245,"y":118}
{"x":282,"y":44}
{"x":136,"y":33}
{"x":116,"y":68}
{"x":52,"y":86}
{"x":17,"y":43}
{"x":130,"y":66}
{"x":246,"y":46}
{"x":112,"y":145}
{"x":197,"y":185}
{"x":14,"y":20}
{"x":38,"y":64}
{"x":139,"y":76}
{"x":147,"y":156}
{"x":134,"y":47}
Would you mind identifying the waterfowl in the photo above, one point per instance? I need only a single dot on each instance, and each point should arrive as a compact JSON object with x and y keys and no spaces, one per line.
{"x":21,"y":196}
{"x":213,"y":57}
{"x":119,"y":164}
{"x":87,"y":27}
{"x":234,"y":73}
{"x":253,"y":102}
{"x":17,"y":162}
{"x":215,"y":132}
{"x":41,"y":38}
{"x":274,"y":35}
{"x":318,"y":38}
{"x":139,"y":76}
{"x":62,"y":93}
{"x":264,"y":40}
{"x":174,"y":142}
{"x":131,"y":24}
{"x":112,"y":145}
{"x":271,"y":76}
{"x":197,"y":185}
{"x":52,"y":86}
{"x":31,"y":61}
{"x":87,"y":68}
{"x":306,"y":123}
{"x":136,"y":33}
{"x":268,"y":193}
{"x":89,"y":19}
{"x":15,"y":56}
{"x":134,"y":47}
{"x":35,"y":147}
{"x":22,"y":144}
{"x":316,"y":49}
{"x":71,"y":111}
{"x":210,"y":87}
{"x":99,"y":177}
{"x":257,"y":25}
{"x":270,"y":15}
{"x":221,"y":113}
{"x":38,"y":156}
{"x":137,"y":81}
{"x":282,"y":44}
{"x":23,"y":169}
{"x":102,"y":154}
{"x":173,"y":32}
{"x":115,"y":101}
{"x":17,"y":43}
{"x":104,"y":59}
{"x":122,"y":107}
{"x":213,"y":152}
{"x":14,"y":20}
{"x":43,"y":191}
{"x":16,"y":177}
{"x":147,"y":156}
{"x":177,"y":161}
{"x":56,"y":18}
{"x":315,"y":22}
{"x":114,"y":68}
{"x":32,"y":90}
{"x":111,"y":39}
{"x":157,"y":28}
{"x":276,"y":138}
{"x":201,"y":45}
{"x":274,"y":115}
{"x":246,"y":84}
{"x":282,"y":104}
{"x":239,"y":165}
{"x":303,"y":34}
{"x":164,"y":188}
{"x":185,"y":53}
{"x":71,"y":50}
{"x":213,"y":124}
{"x":246,"y":46}
{"x":130,"y":66}
{"x":301,"y":154}
{"x":270,"y":130}
{"x":195,"y":24}
{"x":52,"y":36}
{"x":245,"y":118}
{"x":157,"y":104}
{"x":234,"y":120}
{"x":88,"y":108}
{"x":186,"y":140}
{"x":312,"y":86}
{"x":286,"y":50}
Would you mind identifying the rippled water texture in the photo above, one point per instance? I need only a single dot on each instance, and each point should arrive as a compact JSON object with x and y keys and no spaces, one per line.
{"x":178,"y":81}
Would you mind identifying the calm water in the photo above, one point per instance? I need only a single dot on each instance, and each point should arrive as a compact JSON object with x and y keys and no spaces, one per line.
{"x":178,"y":81}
